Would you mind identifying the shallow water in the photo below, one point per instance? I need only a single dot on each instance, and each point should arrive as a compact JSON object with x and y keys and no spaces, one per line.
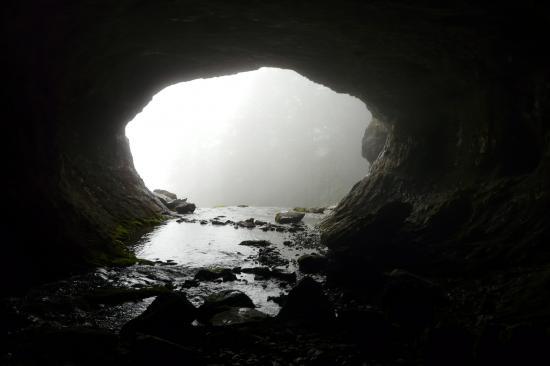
{"x":188,"y":247}
{"x":196,"y":245}
{"x":193,"y":246}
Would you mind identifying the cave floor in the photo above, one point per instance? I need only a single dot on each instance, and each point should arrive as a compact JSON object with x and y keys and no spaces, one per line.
{"x":394,"y":318}
{"x":97,"y":304}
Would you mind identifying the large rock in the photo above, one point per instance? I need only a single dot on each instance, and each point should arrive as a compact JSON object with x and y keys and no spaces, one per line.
{"x":307,"y":303}
{"x":211,"y":274}
{"x":185,"y":207}
{"x":255,"y":243}
{"x":374,"y":140}
{"x":169,"y":316}
{"x":223,"y":301}
{"x":312,"y":263}
{"x":289,"y":217}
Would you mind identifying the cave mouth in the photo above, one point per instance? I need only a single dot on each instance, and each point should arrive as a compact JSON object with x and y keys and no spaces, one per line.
{"x":268,"y":137}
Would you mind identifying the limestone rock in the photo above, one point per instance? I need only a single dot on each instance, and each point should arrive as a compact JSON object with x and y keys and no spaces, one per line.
{"x":185,"y":208}
{"x":289,"y":217}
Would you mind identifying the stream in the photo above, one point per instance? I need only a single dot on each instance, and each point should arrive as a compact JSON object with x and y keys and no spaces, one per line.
{"x":209,"y":238}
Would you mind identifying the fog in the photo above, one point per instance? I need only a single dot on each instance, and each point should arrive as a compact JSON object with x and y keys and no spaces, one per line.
{"x":268,"y":137}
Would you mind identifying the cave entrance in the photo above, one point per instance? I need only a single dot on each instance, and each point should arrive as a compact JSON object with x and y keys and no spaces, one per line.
{"x":268,"y":137}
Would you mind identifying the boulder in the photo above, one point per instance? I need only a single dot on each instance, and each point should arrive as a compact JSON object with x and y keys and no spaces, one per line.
{"x":271,"y":257}
{"x":307,"y":303}
{"x":289,"y":217}
{"x":169,"y":316}
{"x":185,"y":208}
{"x":223,"y":301}
{"x":312,"y":263}
{"x":266,"y":272}
{"x":211,"y":274}
{"x":173,"y":203}
{"x":255,"y":243}
{"x":249,"y":223}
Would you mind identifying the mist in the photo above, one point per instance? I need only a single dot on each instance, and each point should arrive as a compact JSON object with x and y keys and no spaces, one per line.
{"x":268,"y":137}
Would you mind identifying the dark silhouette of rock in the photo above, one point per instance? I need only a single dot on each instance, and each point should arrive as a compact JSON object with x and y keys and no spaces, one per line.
{"x":374,"y":140}
{"x":312,"y":263}
{"x":185,"y":208}
{"x":223,"y":301}
{"x":255,"y":243}
{"x":266,"y":272}
{"x":289,"y":217}
{"x":211,"y":274}
{"x":169,"y":316}
{"x":307,"y":303}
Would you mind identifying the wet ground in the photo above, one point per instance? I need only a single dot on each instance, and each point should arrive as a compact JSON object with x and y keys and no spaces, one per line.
{"x":209,"y":238}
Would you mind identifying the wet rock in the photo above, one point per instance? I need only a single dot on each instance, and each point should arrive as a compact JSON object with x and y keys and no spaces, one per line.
{"x":203,"y":222}
{"x":211,"y":274}
{"x":271,"y":257}
{"x":307,"y":303}
{"x":259,"y":222}
{"x":242,"y":206}
{"x":169,"y":316}
{"x":249,"y":223}
{"x":237,"y":316}
{"x":312,"y":263}
{"x":266,"y":272}
{"x":173,"y":203}
{"x":255,"y":243}
{"x":289,"y":217}
{"x":218,"y":222}
{"x":185,"y":208}
{"x":223,"y":301}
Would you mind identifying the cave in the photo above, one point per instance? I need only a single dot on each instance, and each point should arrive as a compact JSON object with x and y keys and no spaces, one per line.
{"x":447,"y":236}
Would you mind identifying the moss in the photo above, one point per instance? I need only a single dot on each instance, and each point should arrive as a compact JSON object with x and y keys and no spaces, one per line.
{"x":300,"y":209}
{"x":124,"y":233}
{"x":128,"y":231}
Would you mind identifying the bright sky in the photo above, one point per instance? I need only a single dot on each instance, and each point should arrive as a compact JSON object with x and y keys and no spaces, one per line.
{"x":192,"y":128}
{"x":199,"y":110}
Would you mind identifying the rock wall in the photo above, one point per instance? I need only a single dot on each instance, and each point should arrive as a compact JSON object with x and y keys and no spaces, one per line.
{"x":463,"y":90}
